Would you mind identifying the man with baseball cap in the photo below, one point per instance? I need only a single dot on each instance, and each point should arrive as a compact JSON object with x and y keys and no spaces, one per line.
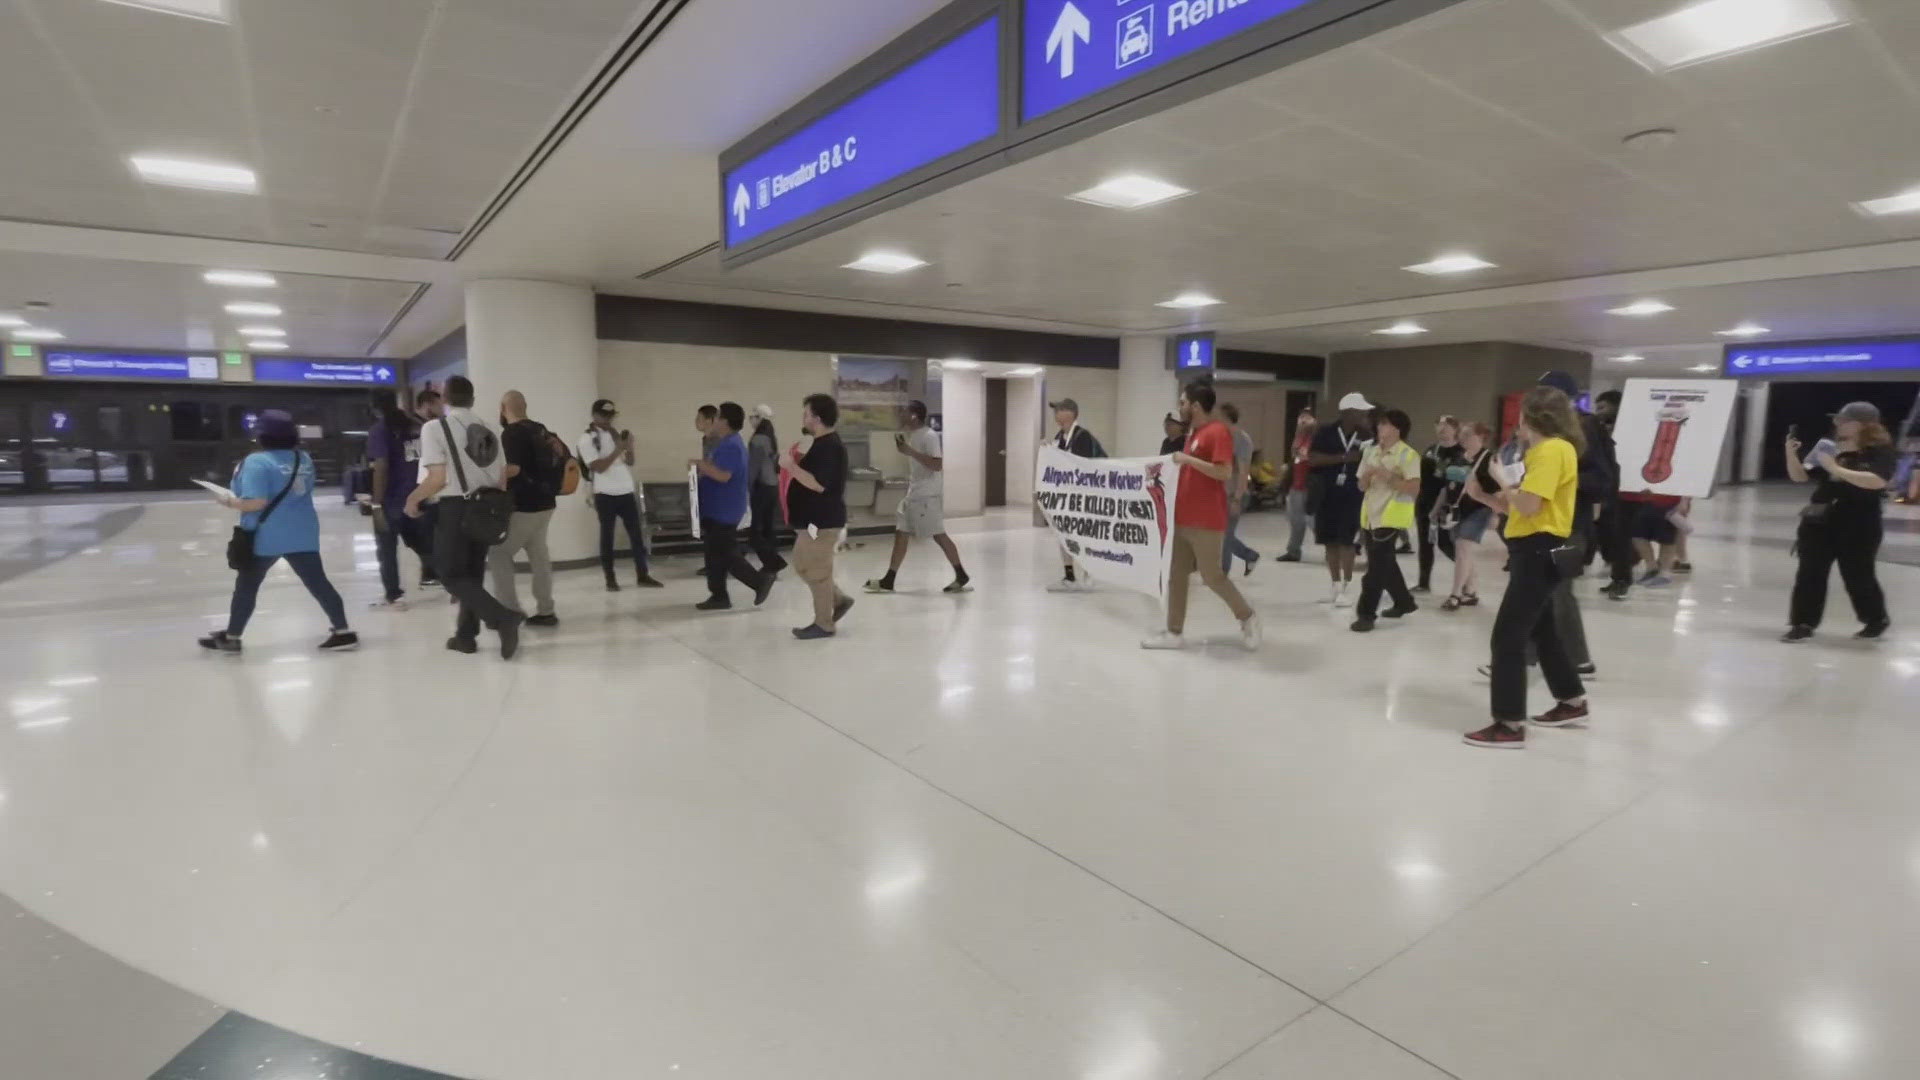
{"x":608,"y":455}
{"x":1079,"y":442}
{"x":1334,"y":490}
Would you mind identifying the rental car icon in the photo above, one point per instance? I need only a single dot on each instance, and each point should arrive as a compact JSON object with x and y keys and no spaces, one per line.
{"x":1136,"y":37}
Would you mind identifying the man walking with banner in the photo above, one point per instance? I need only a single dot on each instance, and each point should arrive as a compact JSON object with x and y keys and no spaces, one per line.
{"x":1078,"y":441}
{"x":1200,"y":521}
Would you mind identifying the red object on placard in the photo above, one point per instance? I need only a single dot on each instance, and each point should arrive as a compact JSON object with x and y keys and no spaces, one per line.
{"x":1666,"y":439}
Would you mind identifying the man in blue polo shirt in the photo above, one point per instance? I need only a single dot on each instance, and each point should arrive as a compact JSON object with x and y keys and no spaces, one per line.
{"x":723,"y":504}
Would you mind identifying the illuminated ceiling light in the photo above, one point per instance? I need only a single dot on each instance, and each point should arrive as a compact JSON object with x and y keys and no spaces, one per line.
{"x":1906,"y":202}
{"x":885,"y":262}
{"x":1716,"y":28}
{"x":1704,"y":367}
{"x":258,"y":311}
{"x":1130,"y":192}
{"x":205,"y":175}
{"x":1745,"y":329}
{"x":245,"y":279}
{"x":262,"y":332}
{"x":204,"y":10}
{"x":1189,"y":300}
{"x":959,"y":364}
{"x":1628,"y":358}
{"x":1024,"y":372}
{"x":1642,"y":308}
{"x":266,"y":346}
{"x":30,"y":333}
{"x":12,"y":320}
{"x":1402,"y":328}
{"x":1451,"y":264}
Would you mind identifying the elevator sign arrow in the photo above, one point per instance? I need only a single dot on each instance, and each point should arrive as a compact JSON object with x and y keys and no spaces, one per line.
{"x":742,"y":202}
{"x":1072,"y":25}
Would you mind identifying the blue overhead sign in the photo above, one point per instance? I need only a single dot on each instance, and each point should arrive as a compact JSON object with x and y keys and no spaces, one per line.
{"x":938,"y":105}
{"x":103,"y":365}
{"x":1193,"y":352}
{"x":1073,"y":49}
{"x":324,"y":372}
{"x":1823,"y":358}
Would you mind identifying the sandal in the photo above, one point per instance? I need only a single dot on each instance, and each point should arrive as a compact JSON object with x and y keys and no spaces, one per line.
{"x":1452,"y":604}
{"x":1470,"y":600}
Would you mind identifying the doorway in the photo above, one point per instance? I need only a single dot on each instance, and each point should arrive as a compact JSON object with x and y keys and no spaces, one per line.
{"x":993,"y":465}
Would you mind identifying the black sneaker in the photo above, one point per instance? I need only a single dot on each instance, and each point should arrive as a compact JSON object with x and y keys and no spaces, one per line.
{"x":813,"y":632}
{"x":462,"y":645}
{"x":1398,"y":612}
{"x":714,"y":603}
{"x":879,"y":585}
{"x":961,"y":583}
{"x":341,"y":641}
{"x":221,"y":641}
{"x":1422,"y":588}
{"x":1288,"y":557}
{"x":1683,"y":568}
{"x":648,"y":581}
{"x":1362,"y":626}
{"x":612,"y":585}
{"x":840,"y":610}
{"x":1874,"y":631}
{"x":766,"y":588}
{"x":544,"y":620}
{"x":1586,"y":671}
{"x":1797,"y":635}
{"x":1616,"y":591}
{"x":509,"y":631}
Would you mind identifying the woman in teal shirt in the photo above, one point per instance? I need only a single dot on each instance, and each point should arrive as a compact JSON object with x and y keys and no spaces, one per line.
{"x":290,"y":531}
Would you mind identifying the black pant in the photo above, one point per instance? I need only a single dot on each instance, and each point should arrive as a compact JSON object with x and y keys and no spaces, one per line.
{"x":625,"y":509}
{"x":764,"y":535}
{"x":1383,"y":574}
{"x":724,"y":557}
{"x":463,"y":569}
{"x":1423,"y":522}
{"x":394,"y":529}
{"x":1613,"y":534}
{"x":1526,"y":616}
{"x":1852,"y":544}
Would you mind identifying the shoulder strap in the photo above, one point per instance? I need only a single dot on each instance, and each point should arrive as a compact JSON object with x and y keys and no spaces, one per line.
{"x":264,"y":514}
{"x":454,"y":453}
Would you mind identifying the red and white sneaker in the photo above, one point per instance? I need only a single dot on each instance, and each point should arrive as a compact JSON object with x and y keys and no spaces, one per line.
{"x":1563,"y":715}
{"x":1498,"y":736}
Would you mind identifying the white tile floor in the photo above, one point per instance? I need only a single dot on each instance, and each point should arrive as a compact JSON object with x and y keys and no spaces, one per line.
{"x":974,"y":837}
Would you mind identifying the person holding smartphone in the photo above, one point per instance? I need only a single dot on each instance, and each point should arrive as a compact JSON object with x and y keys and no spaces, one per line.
{"x":1842,"y":522}
{"x":922,"y":514}
{"x":608,"y":455}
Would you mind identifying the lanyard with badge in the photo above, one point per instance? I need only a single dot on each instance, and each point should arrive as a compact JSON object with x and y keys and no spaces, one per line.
{"x":1347,"y":443}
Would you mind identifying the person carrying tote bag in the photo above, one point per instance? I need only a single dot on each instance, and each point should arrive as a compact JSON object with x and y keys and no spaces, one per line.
{"x":273,"y":489}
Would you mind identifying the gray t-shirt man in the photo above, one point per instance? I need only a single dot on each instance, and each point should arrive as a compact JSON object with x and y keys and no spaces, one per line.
{"x":923,"y":482}
{"x":1242,"y":460}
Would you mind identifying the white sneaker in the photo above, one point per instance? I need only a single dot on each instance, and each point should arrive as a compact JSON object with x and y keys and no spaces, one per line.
{"x":1250,"y":632}
{"x":1333,"y":595}
{"x":1065,"y":586}
{"x":1341,"y":599}
{"x":1165,"y":639}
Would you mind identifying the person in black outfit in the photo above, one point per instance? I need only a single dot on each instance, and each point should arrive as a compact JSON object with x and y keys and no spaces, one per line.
{"x":1079,"y":442}
{"x":1175,"y":439}
{"x":1442,"y":455}
{"x":817,"y":509}
{"x":1333,"y":492}
{"x":1613,"y":527}
{"x":1842,"y":523}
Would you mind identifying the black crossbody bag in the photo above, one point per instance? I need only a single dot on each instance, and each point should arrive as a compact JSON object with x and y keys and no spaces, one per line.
{"x":240,"y":545}
{"x":487,"y":511}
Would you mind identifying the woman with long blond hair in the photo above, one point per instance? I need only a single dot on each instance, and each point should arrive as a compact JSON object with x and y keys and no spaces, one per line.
{"x":1842,"y":522}
{"x":1539,"y":503}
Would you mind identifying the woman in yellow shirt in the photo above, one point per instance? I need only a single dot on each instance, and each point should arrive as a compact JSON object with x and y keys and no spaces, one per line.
{"x":1539,"y":503}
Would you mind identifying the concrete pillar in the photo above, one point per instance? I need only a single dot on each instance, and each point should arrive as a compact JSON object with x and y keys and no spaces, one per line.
{"x":540,"y":338}
{"x":1147,"y":392}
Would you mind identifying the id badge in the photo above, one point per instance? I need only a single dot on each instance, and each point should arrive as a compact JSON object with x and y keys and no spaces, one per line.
{"x":1342,"y":481}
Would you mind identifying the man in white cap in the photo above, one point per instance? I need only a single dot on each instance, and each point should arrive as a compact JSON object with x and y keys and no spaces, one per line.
{"x":1334,"y":491}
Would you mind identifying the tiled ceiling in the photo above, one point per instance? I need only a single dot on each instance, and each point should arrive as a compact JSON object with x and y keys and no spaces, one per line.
{"x":381,"y":126}
{"x":144,"y":305}
{"x":1493,"y":126}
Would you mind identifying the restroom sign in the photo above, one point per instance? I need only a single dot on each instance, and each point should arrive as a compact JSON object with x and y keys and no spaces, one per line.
{"x":1192,"y":352}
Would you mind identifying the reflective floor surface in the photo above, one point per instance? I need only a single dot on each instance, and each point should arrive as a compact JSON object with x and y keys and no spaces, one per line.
{"x":973,"y":837}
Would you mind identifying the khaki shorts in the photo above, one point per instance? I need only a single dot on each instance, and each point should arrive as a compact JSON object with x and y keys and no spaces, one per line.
{"x":921,"y":518}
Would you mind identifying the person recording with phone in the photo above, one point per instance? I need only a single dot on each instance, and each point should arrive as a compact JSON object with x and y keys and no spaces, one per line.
{"x":922,"y":514}
{"x":1842,"y":522}
{"x":608,"y":455}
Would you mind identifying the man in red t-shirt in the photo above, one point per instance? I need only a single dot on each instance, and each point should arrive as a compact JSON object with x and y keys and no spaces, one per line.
{"x":1200,"y":520}
{"x":1656,"y":538}
{"x":1298,"y":469}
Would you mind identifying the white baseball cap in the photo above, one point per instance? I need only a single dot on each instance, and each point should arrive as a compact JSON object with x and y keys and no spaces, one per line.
{"x":1356,"y":400}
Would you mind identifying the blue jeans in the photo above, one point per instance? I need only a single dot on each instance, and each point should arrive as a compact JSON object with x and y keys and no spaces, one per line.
{"x":306,"y":564}
{"x":1233,"y":548}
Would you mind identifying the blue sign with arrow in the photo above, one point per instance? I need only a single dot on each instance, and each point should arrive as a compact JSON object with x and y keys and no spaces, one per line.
{"x":324,"y":372}
{"x":1073,"y":49}
{"x":1823,"y":358}
{"x":942,"y":103}
{"x":102,"y":365}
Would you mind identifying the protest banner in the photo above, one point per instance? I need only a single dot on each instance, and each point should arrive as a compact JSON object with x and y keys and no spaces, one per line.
{"x":1113,"y":515}
{"x":1670,"y":434}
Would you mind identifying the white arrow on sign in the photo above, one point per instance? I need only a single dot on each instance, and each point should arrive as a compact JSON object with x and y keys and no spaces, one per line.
{"x":742,"y":202}
{"x":1071,"y":24}
{"x":383,"y":374}
{"x":1743,"y":361}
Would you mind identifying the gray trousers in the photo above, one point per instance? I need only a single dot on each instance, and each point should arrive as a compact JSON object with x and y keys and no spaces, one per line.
{"x":526,"y":532}
{"x":1296,"y":521}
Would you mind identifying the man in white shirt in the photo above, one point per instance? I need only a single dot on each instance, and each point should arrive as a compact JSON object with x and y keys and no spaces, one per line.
{"x":459,"y":455}
{"x":923,"y":512}
{"x":608,"y":456}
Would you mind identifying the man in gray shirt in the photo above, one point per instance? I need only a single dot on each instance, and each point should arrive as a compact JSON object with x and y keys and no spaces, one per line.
{"x":1237,"y":491}
{"x":922,"y":513}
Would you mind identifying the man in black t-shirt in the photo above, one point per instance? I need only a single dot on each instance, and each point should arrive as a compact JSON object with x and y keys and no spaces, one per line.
{"x":817,"y":510}
{"x":524,"y":445}
{"x":1334,"y":490}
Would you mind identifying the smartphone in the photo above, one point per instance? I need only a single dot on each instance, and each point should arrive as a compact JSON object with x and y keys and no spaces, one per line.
{"x":1793,"y":431}
{"x":899,"y":440}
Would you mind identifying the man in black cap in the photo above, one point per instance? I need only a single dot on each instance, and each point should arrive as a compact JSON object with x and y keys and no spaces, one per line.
{"x":608,"y":455}
{"x":1079,"y":442}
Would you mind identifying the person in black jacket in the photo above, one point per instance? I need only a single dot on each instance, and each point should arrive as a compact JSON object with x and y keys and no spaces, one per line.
{"x":1442,"y":455}
{"x":1079,"y":442}
{"x":1842,"y":523}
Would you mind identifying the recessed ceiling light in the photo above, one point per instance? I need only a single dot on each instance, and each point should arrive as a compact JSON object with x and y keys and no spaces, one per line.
{"x":266,"y":346}
{"x":12,"y":320}
{"x":1906,"y":202}
{"x":1402,"y":328}
{"x":1024,"y":372}
{"x":262,"y":331}
{"x":1745,"y":329}
{"x":206,"y":175}
{"x":255,"y":310}
{"x":885,"y":262}
{"x":959,"y":364}
{"x":246,"y":279}
{"x":1189,"y":300}
{"x":1628,"y":358}
{"x":1130,"y":192}
{"x":1451,"y":264}
{"x":1642,"y":308}
{"x":204,"y":10}
{"x":1704,"y":367}
{"x":30,"y":333}
{"x":1715,"y":28}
